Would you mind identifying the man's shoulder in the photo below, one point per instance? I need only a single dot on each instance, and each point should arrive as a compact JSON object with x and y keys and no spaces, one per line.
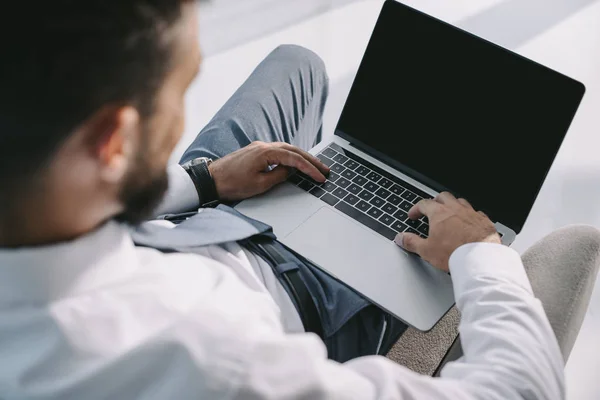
{"x":172,"y":305}
{"x":123,"y":334}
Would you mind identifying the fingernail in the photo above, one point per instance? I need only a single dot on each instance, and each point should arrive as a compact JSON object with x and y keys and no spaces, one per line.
{"x":399,"y":239}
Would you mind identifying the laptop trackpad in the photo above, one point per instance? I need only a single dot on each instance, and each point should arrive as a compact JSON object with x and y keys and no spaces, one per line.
{"x":399,"y":282}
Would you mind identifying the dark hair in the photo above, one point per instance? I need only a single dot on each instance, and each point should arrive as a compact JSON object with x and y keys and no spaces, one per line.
{"x":65,"y":60}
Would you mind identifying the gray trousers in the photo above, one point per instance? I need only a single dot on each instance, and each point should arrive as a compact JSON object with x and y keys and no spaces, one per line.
{"x":283,"y":100}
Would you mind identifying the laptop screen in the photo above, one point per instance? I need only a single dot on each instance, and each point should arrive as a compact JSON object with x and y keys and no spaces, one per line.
{"x":458,"y":112}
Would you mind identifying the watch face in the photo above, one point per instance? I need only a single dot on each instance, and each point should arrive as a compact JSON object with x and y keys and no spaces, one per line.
{"x":200,"y":160}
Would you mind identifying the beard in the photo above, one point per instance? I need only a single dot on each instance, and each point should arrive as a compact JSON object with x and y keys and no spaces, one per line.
{"x":144,"y":188}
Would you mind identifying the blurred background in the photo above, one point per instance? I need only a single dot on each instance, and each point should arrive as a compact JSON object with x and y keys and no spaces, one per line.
{"x":562,"y":34}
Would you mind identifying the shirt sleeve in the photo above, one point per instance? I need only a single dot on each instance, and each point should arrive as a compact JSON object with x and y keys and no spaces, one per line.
{"x":181,"y":195}
{"x":510,"y":351}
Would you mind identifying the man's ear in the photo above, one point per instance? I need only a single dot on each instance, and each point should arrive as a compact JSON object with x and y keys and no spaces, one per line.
{"x":114,"y":137}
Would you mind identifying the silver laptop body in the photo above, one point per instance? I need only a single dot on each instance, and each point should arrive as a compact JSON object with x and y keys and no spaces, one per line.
{"x":432,"y":108}
{"x":399,"y":282}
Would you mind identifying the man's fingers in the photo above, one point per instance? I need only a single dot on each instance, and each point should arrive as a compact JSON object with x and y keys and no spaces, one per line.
{"x":273,"y":177}
{"x":410,"y":242}
{"x":445,"y":198}
{"x":465,"y":203}
{"x":424,"y":207}
{"x":307,"y":156}
{"x":280,"y":156}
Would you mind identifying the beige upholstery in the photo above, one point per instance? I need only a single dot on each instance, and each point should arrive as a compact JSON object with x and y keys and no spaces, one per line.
{"x":562,"y":269}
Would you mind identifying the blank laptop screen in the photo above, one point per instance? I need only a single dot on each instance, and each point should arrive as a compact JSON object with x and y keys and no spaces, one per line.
{"x":458,"y":112}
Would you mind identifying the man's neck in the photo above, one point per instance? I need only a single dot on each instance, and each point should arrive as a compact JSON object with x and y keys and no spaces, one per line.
{"x":22,"y":234}
{"x":44,"y":226}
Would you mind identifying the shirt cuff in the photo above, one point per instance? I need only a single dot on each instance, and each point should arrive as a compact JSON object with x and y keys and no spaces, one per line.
{"x":473,"y":263}
{"x":181,"y":195}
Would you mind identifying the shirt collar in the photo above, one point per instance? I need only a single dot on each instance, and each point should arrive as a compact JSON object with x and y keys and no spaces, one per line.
{"x":46,"y":273}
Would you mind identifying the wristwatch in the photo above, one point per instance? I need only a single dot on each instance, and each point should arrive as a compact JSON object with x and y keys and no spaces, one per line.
{"x":198,"y":170}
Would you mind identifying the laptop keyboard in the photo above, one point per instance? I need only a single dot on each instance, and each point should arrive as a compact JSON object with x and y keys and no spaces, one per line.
{"x":366,"y":193}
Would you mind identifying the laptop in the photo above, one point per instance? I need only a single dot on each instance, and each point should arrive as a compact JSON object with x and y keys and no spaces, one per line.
{"x":432,"y":108}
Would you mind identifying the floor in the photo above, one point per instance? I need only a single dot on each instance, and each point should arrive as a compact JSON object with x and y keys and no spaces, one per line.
{"x":563,"y":34}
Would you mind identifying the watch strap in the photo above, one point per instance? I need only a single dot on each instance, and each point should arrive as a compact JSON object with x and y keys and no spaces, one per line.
{"x":203,"y":181}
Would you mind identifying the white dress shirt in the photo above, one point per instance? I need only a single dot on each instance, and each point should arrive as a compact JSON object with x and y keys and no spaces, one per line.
{"x":98,"y":318}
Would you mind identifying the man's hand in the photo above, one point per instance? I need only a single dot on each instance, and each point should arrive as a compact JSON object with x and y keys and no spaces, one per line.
{"x":245,"y":173}
{"x":452,"y":223}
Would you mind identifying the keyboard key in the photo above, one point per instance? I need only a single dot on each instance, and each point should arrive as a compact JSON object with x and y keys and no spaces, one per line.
{"x":351,"y":199}
{"x":401,"y":216}
{"x":407,"y":195}
{"x":306,"y":185}
{"x":351,"y":164}
{"x":406,"y":206}
{"x":374,"y":176}
{"x":343,"y":183}
{"x":412,"y":223}
{"x":365,"y":220}
{"x":390,"y":209}
{"x":396,"y":189}
{"x":337,"y":168}
{"x":349,"y":211}
{"x":333,"y":177}
{"x":386,"y":219}
{"x":340,"y":158}
{"x":339,"y":192}
{"x":359,"y":180}
{"x":295,"y":179}
{"x":348,"y":174}
{"x":364,"y":171}
{"x":395,"y":200}
{"x":306,"y":178}
{"x":370,"y":186}
{"x":382,"y":193}
{"x":317,"y":191}
{"x":336,"y":147}
{"x":424,"y":229}
{"x":399,"y":226}
{"x":377,"y":201}
{"x":416,"y":199}
{"x":329,"y":199}
{"x":363,"y":206}
{"x":329,"y":187}
{"x":375,"y":212}
{"x":366,"y":195}
{"x":411,"y":230}
{"x":354,"y":188}
{"x":325,"y":160}
{"x":379,"y":228}
{"x":329,"y":153}
{"x":386,"y":183}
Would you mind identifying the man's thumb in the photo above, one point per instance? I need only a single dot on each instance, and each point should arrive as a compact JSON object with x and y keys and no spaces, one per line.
{"x":410,"y":242}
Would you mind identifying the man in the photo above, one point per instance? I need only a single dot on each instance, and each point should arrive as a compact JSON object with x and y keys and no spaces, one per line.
{"x":91,"y":107}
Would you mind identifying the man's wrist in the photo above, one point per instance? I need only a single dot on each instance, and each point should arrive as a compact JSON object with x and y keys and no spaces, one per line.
{"x":474,"y":261}
{"x":203,"y":181}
